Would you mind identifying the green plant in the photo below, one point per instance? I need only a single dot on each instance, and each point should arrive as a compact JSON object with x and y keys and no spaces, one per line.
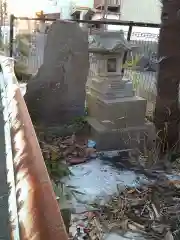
{"x":57,"y":169}
{"x":79,"y":122}
{"x":135,"y":79}
{"x":74,"y":126}
{"x":132,"y":63}
{"x":65,"y":195}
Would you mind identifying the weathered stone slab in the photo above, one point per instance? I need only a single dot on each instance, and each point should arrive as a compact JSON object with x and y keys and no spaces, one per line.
{"x":124,"y":138}
{"x":56,"y":94}
{"x":119,"y":113}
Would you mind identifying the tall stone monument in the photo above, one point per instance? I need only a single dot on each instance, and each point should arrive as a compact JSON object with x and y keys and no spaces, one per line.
{"x":116,"y":116}
{"x":56,"y":95}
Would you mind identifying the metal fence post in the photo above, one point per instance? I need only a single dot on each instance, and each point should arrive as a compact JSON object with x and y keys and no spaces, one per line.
{"x":128,"y":39}
{"x":11,"y":35}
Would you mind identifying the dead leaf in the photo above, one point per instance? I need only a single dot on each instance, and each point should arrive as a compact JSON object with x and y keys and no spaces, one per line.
{"x":69,"y":151}
{"x":54,"y":155}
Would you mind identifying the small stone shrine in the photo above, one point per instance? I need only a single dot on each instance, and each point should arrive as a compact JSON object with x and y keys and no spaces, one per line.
{"x":116,"y":115}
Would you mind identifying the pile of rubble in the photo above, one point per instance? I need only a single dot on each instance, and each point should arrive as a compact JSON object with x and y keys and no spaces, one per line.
{"x":151,"y":210}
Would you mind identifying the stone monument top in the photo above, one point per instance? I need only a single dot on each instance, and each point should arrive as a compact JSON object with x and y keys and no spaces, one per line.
{"x":108,"y":42}
{"x":106,"y":59}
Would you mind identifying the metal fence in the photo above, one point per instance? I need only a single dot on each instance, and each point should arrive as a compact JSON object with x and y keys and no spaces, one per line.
{"x":28,"y":39}
{"x":141,"y":64}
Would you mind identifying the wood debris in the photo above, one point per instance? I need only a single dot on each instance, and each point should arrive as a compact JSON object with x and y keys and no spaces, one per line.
{"x":152,"y":210}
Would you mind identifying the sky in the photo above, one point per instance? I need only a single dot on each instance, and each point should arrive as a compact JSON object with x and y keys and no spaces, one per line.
{"x":28,"y":8}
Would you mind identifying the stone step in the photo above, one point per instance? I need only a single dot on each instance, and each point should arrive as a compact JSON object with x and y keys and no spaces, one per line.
{"x":113,"y":94}
{"x":116,"y":90}
{"x":110,"y":84}
{"x":124,"y":138}
{"x":96,"y":124}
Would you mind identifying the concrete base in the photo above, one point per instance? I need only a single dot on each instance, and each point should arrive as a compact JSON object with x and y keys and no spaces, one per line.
{"x":125,"y":138}
{"x":118,"y":113}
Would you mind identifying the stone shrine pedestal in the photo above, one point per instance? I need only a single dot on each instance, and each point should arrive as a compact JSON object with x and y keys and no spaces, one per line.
{"x":116,"y":116}
{"x":117,"y":124}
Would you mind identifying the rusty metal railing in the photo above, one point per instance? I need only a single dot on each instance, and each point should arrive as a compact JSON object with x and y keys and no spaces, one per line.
{"x":33,"y":210}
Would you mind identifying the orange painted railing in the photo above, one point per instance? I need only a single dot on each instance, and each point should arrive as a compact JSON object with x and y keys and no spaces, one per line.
{"x":38,"y":213}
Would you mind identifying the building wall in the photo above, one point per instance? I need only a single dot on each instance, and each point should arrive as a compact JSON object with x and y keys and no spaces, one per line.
{"x":97,"y":2}
{"x":131,"y":10}
{"x":65,"y":6}
{"x":108,"y":2}
{"x":98,"y":16}
{"x":84,"y":3}
{"x":146,"y":11}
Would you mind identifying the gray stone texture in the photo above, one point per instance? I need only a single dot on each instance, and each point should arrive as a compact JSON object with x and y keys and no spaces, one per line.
{"x":121,"y":112}
{"x":56,"y":95}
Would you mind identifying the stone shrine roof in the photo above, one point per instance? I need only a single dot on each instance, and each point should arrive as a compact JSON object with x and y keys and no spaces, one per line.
{"x":108,"y":42}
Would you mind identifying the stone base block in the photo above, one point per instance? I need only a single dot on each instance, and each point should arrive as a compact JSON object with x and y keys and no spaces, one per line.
{"x":125,"y":138}
{"x":118,"y":113}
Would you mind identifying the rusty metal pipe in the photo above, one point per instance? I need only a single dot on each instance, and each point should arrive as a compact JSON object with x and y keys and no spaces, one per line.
{"x":38,"y":210}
